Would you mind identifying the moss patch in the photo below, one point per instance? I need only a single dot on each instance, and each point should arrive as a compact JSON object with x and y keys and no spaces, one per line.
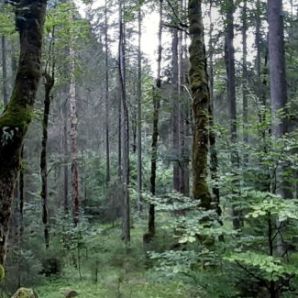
{"x":16,"y":116}
{"x":25,"y":293}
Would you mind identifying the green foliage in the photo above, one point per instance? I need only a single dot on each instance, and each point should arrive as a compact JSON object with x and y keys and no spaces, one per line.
{"x":270,"y":204}
{"x":271,"y":268}
{"x":172,"y":262}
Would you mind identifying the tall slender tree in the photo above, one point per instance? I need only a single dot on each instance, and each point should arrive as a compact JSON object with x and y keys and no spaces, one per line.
{"x":278,"y":81}
{"x":212,"y":135}
{"x":278,"y":92}
{"x":176,"y":113}
{"x":49,"y":80}
{"x":122,"y":79}
{"x":74,"y":135}
{"x":139,"y":109}
{"x":244,"y":72}
{"x":48,"y":85}
{"x":65,"y":155}
{"x":107,"y":128}
{"x":231,"y":92}
{"x":156,"y":107}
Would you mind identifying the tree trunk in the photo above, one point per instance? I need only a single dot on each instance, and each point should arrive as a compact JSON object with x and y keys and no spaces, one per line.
{"x":15,"y":120}
{"x":139,"y":112}
{"x":20,"y":209}
{"x":212,"y":135}
{"x":244,"y":75}
{"x":73,"y":137}
{"x":175,"y":114}
{"x":156,"y":107}
{"x":201,"y":101}
{"x":4,"y":71}
{"x":278,"y":92}
{"x":278,"y":81}
{"x":185,"y":107}
{"x":48,"y":85}
{"x":122,"y":77}
{"x":107,"y":97}
{"x":22,"y":197}
{"x":65,"y":158}
{"x":231,"y":89}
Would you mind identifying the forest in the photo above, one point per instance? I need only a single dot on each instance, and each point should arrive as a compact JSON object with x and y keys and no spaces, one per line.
{"x":148,"y":148}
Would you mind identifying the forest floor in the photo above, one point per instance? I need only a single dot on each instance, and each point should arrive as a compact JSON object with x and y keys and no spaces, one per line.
{"x":113,"y":271}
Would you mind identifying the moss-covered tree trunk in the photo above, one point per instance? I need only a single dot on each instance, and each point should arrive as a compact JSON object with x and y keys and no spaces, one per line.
{"x":18,"y":113}
{"x":201,"y":101}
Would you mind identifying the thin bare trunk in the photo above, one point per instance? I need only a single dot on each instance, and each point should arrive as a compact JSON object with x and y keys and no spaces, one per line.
{"x":65,"y":158}
{"x":73,"y":137}
{"x":139,"y":112}
{"x":107,"y":97}
{"x":212,"y":135}
{"x":175,"y":114}
{"x":231,"y":90}
{"x":244,"y":74}
{"x":156,"y":107}
{"x":122,"y":77}
{"x":48,"y":85}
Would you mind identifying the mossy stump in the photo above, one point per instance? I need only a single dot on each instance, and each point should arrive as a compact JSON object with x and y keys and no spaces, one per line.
{"x":25,"y":293}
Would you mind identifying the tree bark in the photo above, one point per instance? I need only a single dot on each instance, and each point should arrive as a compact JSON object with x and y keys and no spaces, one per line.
{"x":17,"y":116}
{"x":201,"y":101}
